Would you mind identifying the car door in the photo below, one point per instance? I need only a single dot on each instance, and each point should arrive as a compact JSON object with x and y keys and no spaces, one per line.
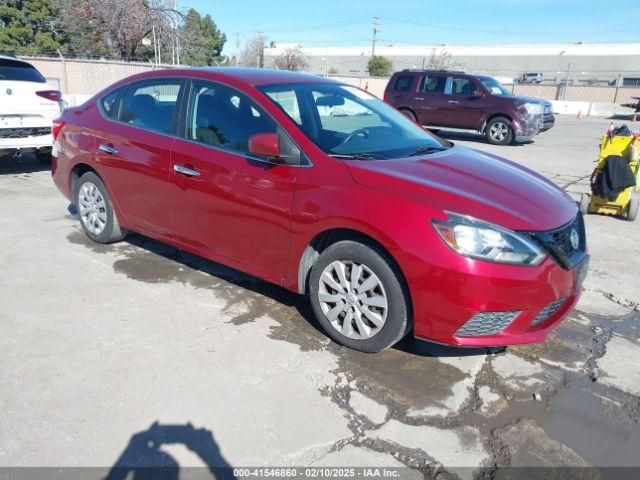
{"x":431,"y":100}
{"x":228,"y":202}
{"x":463,"y":110}
{"x":133,"y":147}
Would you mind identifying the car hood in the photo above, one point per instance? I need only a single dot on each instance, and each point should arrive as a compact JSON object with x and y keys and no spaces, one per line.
{"x":471,"y":182}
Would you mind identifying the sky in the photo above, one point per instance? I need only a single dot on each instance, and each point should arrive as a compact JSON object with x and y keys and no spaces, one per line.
{"x":411,"y":22}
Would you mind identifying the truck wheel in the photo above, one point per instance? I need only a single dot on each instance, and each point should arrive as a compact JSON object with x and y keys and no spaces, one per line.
{"x":585,"y":199}
{"x":499,"y":131}
{"x":358,"y":297}
{"x":632,"y":211}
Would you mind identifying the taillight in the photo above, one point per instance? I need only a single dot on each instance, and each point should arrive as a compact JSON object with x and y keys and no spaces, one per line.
{"x":53,"y":95}
{"x":56,"y":127}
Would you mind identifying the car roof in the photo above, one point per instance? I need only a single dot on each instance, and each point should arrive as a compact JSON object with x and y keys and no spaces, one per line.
{"x":13,"y":58}
{"x":249,"y":76}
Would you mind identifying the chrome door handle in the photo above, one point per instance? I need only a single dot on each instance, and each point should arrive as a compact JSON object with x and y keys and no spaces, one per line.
{"x":107,"y":149}
{"x":418,"y":98}
{"x":186,"y":171}
{"x":453,"y":101}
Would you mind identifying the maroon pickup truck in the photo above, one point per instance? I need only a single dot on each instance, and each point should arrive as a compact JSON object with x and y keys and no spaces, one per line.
{"x":476,"y":102}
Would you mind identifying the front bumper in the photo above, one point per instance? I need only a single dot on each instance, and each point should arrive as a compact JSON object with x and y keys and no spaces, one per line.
{"x":446,"y":298}
{"x":548,"y":122}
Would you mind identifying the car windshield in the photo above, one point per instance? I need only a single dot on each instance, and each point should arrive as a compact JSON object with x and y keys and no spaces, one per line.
{"x":494,"y":86}
{"x":344,"y":121}
{"x":19,"y":71}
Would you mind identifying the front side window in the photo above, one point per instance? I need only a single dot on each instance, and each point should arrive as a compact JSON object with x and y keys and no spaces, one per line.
{"x":345,"y":121}
{"x":434,"y":84}
{"x":223,"y":118}
{"x":462,"y":86}
{"x":151,"y":104}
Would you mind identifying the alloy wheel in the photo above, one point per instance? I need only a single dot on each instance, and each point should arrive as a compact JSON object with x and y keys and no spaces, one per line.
{"x":499,"y":131}
{"x":353,"y":299}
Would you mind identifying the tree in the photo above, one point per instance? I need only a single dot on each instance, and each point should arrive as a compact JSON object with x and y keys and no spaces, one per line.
{"x":27,"y":27}
{"x":292,"y":59}
{"x":379,"y":66}
{"x":200,"y":39}
{"x":253,"y":53}
{"x":439,"y":60}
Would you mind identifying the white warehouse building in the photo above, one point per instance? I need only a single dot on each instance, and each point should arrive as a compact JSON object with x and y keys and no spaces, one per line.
{"x":584,"y":63}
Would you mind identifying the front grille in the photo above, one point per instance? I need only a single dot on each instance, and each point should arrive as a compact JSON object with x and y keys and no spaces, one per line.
{"x":557,"y":242}
{"x":548,"y":311}
{"x":486,"y":323}
{"x":23,"y":132}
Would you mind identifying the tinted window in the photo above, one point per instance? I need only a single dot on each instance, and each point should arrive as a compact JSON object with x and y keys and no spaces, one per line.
{"x":462,"y":86}
{"x":403,"y":83}
{"x":19,"y":71}
{"x":151,"y":104}
{"x":224,"y":118}
{"x":111,"y":102}
{"x":434,"y":84}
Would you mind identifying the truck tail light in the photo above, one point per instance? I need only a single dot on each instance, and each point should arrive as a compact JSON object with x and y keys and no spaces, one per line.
{"x":56,"y":127}
{"x":53,"y":95}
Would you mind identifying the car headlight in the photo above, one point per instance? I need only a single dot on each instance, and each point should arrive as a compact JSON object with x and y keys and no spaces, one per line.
{"x":530,"y":108}
{"x":484,"y":241}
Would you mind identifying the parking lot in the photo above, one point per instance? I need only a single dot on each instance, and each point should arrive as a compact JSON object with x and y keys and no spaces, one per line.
{"x":139,"y":354}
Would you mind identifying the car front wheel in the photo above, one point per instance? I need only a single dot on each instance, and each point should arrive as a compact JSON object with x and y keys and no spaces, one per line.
{"x":95,"y":210}
{"x":499,"y":131}
{"x":358,"y":297}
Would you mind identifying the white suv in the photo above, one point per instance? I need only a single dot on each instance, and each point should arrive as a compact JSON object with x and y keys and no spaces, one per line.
{"x":28,"y":107}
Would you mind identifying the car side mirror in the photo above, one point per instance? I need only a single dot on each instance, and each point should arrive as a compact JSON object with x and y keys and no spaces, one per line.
{"x":264,"y":145}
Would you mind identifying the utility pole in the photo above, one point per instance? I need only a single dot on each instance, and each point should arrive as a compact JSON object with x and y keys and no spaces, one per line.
{"x":376,"y":29}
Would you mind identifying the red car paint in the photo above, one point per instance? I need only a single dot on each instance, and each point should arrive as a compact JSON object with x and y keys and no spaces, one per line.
{"x":261,"y":220}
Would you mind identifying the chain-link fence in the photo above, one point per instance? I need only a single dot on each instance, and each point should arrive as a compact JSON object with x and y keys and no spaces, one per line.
{"x":83,"y":77}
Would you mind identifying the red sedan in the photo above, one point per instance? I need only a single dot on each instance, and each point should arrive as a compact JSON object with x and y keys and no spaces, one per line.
{"x":324,"y":189}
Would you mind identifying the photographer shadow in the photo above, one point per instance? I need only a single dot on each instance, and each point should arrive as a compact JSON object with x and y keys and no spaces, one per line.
{"x":143,"y":458}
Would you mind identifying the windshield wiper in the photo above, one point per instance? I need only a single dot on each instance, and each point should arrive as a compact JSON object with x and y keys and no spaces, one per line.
{"x":427,"y":149}
{"x":355,"y":156}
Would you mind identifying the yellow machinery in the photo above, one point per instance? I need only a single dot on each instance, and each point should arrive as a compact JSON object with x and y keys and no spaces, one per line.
{"x":626,"y":204}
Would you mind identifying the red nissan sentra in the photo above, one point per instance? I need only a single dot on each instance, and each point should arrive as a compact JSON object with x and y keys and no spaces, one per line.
{"x":324,"y":189}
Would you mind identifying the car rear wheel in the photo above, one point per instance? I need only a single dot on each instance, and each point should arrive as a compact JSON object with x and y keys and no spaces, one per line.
{"x":632,"y":211}
{"x":499,"y":131}
{"x":95,"y":210}
{"x":409,"y":114}
{"x":358,"y":297}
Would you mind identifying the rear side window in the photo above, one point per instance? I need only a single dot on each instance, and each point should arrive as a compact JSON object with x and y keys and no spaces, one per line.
{"x":403,"y":83}
{"x":111,"y":103}
{"x":18,"y":71}
{"x":434,"y":84}
{"x":151,"y":104}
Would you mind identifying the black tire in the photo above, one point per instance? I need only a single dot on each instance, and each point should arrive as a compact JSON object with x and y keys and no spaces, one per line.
{"x":409,"y":114}
{"x":585,"y":199}
{"x":44,"y":157}
{"x":632,"y":211}
{"x":398,"y":310}
{"x":111,"y":230}
{"x":499,"y":131}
